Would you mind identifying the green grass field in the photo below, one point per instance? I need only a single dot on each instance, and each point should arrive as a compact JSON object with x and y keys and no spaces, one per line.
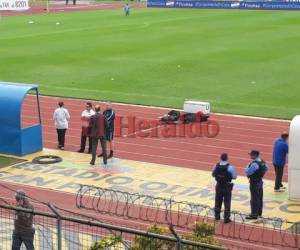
{"x":6,"y":161}
{"x":244,"y":62}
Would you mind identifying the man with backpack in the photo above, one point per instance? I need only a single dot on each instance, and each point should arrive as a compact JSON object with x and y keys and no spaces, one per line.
{"x":223,"y":173}
{"x":255,"y":171}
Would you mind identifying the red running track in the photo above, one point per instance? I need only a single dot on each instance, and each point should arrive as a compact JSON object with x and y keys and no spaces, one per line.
{"x":237,"y":136}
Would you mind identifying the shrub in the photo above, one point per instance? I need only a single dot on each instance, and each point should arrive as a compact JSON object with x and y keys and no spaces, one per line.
{"x":202,"y":232}
{"x":147,"y":243}
{"x":109,"y":242}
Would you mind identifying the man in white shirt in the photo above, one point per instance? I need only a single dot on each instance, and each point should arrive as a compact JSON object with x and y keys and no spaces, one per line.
{"x":61,"y":119}
{"x":85,"y":118}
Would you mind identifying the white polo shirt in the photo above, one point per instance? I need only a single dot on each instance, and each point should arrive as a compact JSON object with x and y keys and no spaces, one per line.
{"x":61,"y":118}
{"x":86,"y":114}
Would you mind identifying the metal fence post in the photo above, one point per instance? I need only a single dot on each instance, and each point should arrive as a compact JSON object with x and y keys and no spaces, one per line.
{"x":58,"y":226}
{"x":178,"y":243}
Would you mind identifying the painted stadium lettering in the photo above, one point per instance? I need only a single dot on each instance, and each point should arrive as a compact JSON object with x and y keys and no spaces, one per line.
{"x":188,"y":190}
{"x":203,"y":193}
{"x":153,"y":128}
{"x":240,"y":197}
{"x":4,"y":5}
{"x":21,"y":4}
{"x":68,"y":172}
{"x":121,"y":180}
{"x":70,"y":185}
{"x":103,"y":177}
{"x":291,"y":208}
{"x":39,"y":181}
{"x":273,"y":203}
{"x":87,"y":175}
{"x":153,"y":186}
{"x":171,"y":189}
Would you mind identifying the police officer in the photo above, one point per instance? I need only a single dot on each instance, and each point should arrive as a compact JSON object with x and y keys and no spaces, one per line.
{"x":74,"y":2}
{"x":23,"y":230}
{"x":223,"y":173}
{"x":255,"y":171}
{"x":110,"y":118}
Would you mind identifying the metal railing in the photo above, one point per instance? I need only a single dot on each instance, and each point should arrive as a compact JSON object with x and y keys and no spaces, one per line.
{"x":54,"y":230}
{"x":270,"y":231}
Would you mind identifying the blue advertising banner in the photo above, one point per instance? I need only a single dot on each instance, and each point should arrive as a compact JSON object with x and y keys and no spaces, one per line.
{"x":270,"y":5}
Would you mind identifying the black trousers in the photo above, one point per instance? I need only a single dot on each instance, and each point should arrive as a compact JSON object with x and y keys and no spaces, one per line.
{"x":83,"y":143}
{"x":278,"y":178}
{"x":74,"y":2}
{"x":95,"y":141}
{"x":256,"y":200}
{"x":61,"y":134}
{"x":223,"y":193}
{"x":18,"y":239}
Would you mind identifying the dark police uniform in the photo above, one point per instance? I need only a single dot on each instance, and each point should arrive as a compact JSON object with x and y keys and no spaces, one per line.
{"x":255,"y":172}
{"x":74,"y":2}
{"x":223,"y":173}
{"x":110,"y":118}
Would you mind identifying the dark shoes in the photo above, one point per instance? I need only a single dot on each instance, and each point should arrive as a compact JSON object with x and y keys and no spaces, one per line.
{"x":227,"y":221}
{"x":92,"y":163}
{"x":251,"y":217}
{"x":111,"y":154}
{"x":82,"y":151}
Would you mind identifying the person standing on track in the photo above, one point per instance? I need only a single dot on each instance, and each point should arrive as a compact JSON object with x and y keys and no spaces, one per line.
{"x":110,"y":118}
{"x":61,"y":119}
{"x":85,"y":118}
{"x":223,"y":173}
{"x":74,"y":2}
{"x":255,"y":171}
{"x":23,"y":226}
{"x":98,"y":126}
{"x":280,"y":151}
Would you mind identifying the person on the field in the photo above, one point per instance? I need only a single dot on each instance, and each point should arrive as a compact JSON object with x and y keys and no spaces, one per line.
{"x":23,"y":225}
{"x":255,"y":171}
{"x":61,"y":119}
{"x":127,"y":9}
{"x":85,"y":118}
{"x":98,"y":126}
{"x":74,"y":2}
{"x":280,"y":151}
{"x":223,"y":173}
{"x":110,"y":118}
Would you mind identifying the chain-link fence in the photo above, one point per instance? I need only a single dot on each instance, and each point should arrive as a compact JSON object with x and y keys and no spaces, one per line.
{"x":54,"y":230}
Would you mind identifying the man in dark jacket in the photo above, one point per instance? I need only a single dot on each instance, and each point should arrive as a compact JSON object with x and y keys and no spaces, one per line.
{"x":109,"y":132}
{"x":23,"y":230}
{"x":98,"y":126}
{"x":223,"y":173}
{"x":280,"y":151}
{"x":255,"y":171}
